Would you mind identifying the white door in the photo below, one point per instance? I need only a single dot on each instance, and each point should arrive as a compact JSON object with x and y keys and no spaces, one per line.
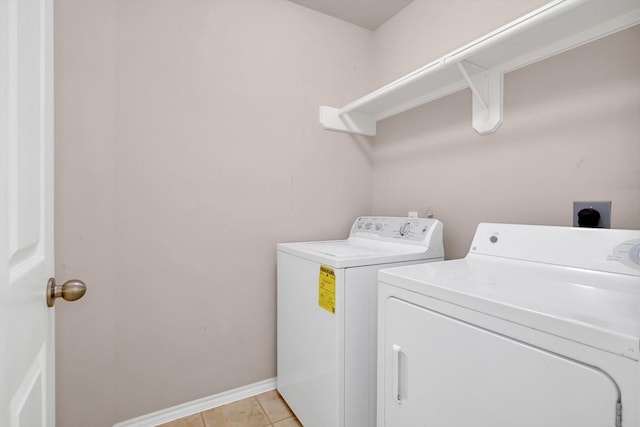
{"x":442,"y":372}
{"x":26,"y":213}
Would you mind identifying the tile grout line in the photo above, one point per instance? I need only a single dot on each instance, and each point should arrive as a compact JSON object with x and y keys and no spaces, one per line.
{"x":264,"y":411}
{"x":270,"y":422}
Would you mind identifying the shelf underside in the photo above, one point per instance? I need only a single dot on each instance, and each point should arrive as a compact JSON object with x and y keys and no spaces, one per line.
{"x":552,"y":29}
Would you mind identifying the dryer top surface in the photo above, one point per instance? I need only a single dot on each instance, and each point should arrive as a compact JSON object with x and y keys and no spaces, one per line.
{"x":550,"y":291}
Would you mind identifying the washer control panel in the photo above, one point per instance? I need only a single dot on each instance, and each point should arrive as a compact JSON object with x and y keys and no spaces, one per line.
{"x":385,"y":228}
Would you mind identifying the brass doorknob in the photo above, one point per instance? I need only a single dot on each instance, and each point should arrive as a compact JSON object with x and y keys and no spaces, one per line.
{"x":71,"y":290}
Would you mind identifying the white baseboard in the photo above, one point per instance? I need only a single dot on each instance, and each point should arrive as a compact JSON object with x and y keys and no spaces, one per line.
{"x":193,"y":407}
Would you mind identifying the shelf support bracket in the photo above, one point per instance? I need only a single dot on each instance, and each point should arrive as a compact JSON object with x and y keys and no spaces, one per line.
{"x":486,"y":87}
{"x":358,"y":123}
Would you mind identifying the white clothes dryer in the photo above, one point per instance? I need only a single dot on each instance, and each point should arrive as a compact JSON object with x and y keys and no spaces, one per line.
{"x":327,"y":305}
{"x":536,"y":327}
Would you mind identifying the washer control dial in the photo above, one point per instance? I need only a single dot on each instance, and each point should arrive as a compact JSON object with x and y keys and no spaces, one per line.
{"x":406,"y":229}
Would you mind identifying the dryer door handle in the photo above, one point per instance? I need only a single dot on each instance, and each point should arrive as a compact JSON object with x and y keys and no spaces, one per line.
{"x":397,"y":372}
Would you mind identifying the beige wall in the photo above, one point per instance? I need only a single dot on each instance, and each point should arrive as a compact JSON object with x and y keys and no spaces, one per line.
{"x":428,"y":29}
{"x":85,"y":207}
{"x":571,"y":131}
{"x":188,"y":145}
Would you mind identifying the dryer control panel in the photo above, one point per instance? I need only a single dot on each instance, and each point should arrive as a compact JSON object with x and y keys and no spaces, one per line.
{"x":608,"y":250}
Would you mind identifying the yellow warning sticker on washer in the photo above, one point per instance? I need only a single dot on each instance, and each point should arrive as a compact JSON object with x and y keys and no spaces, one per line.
{"x":327,"y":289}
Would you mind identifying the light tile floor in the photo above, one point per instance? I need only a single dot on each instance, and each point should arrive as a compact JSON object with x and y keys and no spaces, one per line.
{"x":264,"y":410}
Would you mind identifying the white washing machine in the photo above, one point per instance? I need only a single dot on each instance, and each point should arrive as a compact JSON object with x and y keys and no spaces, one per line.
{"x":536,"y":327}
{"x":327,"y":304}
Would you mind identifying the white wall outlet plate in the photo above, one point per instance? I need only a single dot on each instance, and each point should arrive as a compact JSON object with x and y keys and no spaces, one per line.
{"x":603,"y":208}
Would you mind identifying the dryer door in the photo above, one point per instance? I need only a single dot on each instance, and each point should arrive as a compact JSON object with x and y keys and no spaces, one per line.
{"x":442,"y":372}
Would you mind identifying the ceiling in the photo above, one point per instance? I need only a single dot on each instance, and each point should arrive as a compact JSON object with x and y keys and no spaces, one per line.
{"x":368,"y":14}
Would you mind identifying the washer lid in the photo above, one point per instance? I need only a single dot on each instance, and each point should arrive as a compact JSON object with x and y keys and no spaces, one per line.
{"x":344,"y":249}
{"x":599,"y":309}
{"x":355,"y":252}
{"x":376,"y":240}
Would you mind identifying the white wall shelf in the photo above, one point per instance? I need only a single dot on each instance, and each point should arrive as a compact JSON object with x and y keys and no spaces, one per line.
{"x":480,"y":65}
